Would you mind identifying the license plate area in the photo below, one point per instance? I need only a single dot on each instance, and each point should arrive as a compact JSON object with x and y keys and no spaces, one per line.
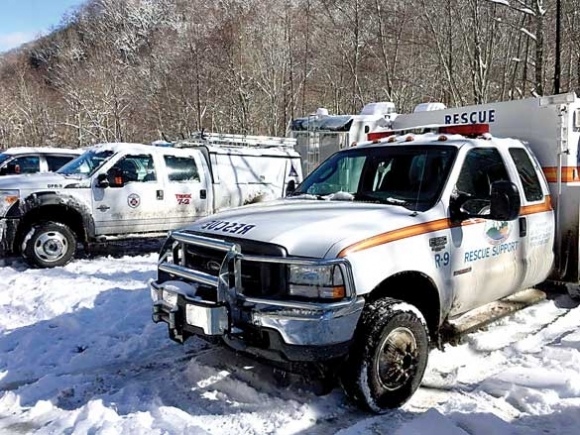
{"x":212,"y":320}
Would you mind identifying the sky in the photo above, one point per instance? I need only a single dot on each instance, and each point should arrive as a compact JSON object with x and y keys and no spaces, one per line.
{"x":80,"y":354}
{"x":24,"y":20}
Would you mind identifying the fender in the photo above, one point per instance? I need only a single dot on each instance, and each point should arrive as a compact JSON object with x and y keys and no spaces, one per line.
{"x":419,"y":289}
{"x":43,"y":199}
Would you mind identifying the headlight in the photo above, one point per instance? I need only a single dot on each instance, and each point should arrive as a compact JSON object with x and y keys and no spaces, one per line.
{"x":316,"y":282}
{"x":7,"y":199}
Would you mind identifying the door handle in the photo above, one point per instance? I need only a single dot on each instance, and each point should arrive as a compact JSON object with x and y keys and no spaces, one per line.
{"x":523,"y":227}
{"x":203,"y":194}
{"x":160,"y":194}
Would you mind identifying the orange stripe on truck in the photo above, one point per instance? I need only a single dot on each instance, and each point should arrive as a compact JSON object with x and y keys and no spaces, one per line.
{"x":392,"y":236}
{"x":429,"y":227}
{"x":569,"y":174}
{"x":537,"y":208}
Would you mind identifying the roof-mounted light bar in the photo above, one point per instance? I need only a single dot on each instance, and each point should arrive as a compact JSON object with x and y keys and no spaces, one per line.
{"x":380,"y":135}
{"x":468,"y":130}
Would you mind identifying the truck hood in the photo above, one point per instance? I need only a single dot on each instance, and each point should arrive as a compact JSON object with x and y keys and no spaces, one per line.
{"x":308,"y":228}
{"x":46,"y":180}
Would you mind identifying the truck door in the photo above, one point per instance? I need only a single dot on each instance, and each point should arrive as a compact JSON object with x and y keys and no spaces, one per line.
{"x":485,"y":252}
{"x":188,"y":189}
{"x":133,"y":200}
{"x":536,"y":221}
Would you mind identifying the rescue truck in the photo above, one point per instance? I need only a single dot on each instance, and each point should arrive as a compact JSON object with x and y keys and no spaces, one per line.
{"x":118,"y":191}
{"x":387,"y":246}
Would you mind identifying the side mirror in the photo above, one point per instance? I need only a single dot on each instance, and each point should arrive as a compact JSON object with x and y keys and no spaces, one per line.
{"x":102,"y":181}
{"x":503,"y":205}
{"x":115,"y":177}
{"x":291,"y":187}
{"x":505,"y":201}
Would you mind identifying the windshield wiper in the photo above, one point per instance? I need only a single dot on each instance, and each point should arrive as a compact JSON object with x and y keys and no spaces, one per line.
{"x":372,"y":198}
{"x":396,"y":201}
{"x":332,"y":196}
{"x":302,"y":195}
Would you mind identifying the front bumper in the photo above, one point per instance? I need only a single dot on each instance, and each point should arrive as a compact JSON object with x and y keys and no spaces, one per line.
{"x":281,"y":330}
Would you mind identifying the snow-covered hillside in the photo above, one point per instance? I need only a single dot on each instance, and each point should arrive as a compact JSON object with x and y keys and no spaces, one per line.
{"x":79,"y":354}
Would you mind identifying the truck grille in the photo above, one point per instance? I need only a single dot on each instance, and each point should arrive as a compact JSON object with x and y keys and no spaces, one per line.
{"x":259,"y":279}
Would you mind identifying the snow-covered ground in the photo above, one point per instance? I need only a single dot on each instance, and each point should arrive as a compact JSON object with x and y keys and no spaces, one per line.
{"x":79,"y":354}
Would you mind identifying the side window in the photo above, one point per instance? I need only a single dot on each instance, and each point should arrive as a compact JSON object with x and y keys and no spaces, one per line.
{"x":25,"y":165}
{"x":528,"y":175}
{"x":136,"y":168}
{"x":481,"y":167}
{"x":181,"y":168}
{"x":56,"y":162}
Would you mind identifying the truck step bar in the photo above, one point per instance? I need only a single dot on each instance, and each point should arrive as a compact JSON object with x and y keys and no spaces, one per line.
{"x":483,"y":316}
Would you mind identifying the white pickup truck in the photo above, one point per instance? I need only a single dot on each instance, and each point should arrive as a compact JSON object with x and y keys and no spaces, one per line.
{"x":369,"y":259}
{"x":116,"y":191}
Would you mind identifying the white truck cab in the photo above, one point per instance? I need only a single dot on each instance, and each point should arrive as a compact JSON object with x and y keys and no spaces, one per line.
{"x":121,"y":190}
{"x":382,"y":245}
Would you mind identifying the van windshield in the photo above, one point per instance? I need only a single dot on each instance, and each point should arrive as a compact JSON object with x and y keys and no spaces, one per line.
{"x":86,"y":164}
{"x":412,"y":176}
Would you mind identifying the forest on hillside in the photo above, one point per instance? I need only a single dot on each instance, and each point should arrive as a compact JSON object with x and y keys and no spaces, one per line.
{"x":140,"y":70}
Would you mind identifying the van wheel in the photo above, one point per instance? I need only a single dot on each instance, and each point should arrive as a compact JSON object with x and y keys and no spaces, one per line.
{"x":49,"y":244}
{"x":388,"y":358}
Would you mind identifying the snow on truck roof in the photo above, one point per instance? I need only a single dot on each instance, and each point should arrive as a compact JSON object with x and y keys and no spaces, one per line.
{"x":456,"y":140}
{"x":185,"y":149}
{"x":41,"y":150}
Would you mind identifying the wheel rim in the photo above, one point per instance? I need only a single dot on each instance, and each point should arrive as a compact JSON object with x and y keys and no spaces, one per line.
{"x":51,"y":246}
{"x":397,"y":358}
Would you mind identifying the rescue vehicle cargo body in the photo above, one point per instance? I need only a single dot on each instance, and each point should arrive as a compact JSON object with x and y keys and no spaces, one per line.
{"x":116,"y":191}
{"x":365,"y":263}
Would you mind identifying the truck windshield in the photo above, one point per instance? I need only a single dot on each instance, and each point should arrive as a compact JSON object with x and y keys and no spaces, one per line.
{"x":412,"y":176}
{"x":86,"y":164}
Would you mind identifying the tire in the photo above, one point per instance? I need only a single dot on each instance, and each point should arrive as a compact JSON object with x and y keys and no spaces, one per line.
{"x":49,"y":244}
{"x":387,"y":361}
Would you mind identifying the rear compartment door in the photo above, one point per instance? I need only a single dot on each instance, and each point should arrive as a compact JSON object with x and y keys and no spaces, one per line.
{"x":536,"y":221}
